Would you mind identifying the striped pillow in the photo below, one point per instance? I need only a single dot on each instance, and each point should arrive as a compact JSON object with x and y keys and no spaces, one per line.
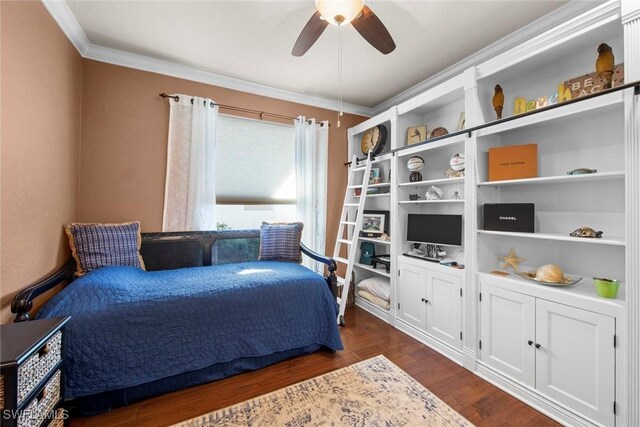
{"x":280,"y":241}
{"x":103,"y":245}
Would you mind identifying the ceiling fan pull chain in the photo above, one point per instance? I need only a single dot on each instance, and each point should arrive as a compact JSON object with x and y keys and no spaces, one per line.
{"x":339,"y":74}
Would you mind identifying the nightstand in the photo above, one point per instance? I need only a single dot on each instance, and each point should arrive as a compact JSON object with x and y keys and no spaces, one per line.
{"x":31,"y":373}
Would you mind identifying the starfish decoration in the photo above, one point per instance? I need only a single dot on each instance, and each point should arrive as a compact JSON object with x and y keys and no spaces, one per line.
{"x":512,"y":260}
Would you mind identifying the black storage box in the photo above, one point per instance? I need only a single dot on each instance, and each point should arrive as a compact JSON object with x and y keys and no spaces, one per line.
{"x":517,"y":217}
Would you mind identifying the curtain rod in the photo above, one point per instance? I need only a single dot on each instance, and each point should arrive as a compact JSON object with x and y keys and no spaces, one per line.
{"x":243,"y":110}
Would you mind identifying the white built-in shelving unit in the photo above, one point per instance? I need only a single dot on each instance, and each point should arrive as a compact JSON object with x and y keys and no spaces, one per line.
{"x":490,"y":323}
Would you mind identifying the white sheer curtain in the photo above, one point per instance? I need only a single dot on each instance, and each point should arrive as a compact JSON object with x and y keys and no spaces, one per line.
{"x":189,"y":196}
{"x":312,"y":152}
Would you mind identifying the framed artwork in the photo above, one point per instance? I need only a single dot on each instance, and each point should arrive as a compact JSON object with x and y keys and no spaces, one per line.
{"x":373,"y":223}
{"x":416,"y":134}
{"x":385,"y":227}
{"x":374,"y":176}
{"x":461,"y":122}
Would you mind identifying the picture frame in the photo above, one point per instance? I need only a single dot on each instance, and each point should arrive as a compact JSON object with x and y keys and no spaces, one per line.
{"x":461,"y":122}
{"x":373,"y":223}
{"x":386,"y":218}
{"x":374,"y":175}
{"x":416,"y":134}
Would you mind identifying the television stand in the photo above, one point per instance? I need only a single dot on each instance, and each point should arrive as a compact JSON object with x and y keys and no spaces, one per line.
{"x":422,"y":257}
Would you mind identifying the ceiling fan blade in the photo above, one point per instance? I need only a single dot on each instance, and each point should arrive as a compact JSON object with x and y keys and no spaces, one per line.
{"x":373,"y":30}
{"x":310,"y":33}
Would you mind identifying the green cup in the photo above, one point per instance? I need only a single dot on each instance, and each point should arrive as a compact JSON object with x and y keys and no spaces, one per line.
{"x":606,"y":288}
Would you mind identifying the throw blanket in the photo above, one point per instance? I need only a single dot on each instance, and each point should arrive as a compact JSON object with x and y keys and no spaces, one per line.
{"x":130,"y":327}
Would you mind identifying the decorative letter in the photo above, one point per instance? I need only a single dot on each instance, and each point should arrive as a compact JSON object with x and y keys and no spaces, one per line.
{"x":542,"y":102}
{"x":520,"y":106}
{"x":531,"y":105}
{"x":564,"y":94}
{"x":553,"y":99}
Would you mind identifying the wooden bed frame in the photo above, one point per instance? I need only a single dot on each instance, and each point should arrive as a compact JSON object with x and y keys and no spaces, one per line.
{"x":167,"y":251}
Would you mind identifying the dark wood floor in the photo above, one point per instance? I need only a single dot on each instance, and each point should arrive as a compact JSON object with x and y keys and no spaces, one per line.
{"x":364,"y":336}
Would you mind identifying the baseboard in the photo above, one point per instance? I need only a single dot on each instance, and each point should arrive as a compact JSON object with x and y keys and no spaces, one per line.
{"x":445,"y":349}
{"x":385,"y":315}
{"x":548,"y":407}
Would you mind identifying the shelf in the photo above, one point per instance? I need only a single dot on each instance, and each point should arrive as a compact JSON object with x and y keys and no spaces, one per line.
{"x":376,"y":241}
{"x":440,"y":181}
{"x":584,"y":290}
{"x":590,"y":106}
{"x":442,"y":142}
{"x":381,"y":185}
{"x":598,"y":176}
{"x":615,"y":241}
{"x":381,"y":272}
{"x":376,"y":195}
{"x":432,"y":201}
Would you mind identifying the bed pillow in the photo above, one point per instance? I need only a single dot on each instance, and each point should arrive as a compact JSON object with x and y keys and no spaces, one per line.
{"x":378,"y":286}
{"x":280,"y":241}
{"x":103,"y":245}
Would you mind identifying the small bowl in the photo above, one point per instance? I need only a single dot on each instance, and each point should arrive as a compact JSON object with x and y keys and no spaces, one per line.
{"x":606,"y":288}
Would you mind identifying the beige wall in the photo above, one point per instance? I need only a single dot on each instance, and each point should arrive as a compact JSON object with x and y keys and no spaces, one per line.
{"x":52,"y":100}
{"x":124,"y":139}
{"x":40,"y":142}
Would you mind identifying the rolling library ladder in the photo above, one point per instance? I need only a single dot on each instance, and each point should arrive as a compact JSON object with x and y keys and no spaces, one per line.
{"x":351,"y":224}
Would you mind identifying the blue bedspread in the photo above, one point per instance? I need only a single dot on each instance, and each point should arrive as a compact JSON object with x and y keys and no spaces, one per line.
{"x":130,"y":327}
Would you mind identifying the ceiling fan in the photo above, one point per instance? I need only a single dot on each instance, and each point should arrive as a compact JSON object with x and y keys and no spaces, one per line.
{"x":341,"y":12}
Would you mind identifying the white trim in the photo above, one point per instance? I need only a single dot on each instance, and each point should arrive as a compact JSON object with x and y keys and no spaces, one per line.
{"x":554,"y":410}
{"x":540,"y":26}
{"x":71,"y":28}
{"x":630,"y":11}
{"x":446,"y":350}
{"x":558,"y":35}
{"x":386,"y":316}
{"x":60,"y":12}
{"x":455,"y":83}
{"x":159,"y":66}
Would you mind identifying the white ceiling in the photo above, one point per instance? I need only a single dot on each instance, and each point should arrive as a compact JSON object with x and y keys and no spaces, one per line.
{"x":252,"y":40}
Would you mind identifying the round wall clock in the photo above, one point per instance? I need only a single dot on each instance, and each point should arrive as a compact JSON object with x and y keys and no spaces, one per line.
{"x":374,"y":140}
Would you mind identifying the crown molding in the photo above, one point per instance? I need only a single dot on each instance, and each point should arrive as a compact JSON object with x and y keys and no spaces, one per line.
{"x":168,"y":68}
{"x":571,"y":10}
{"x":630,"y":11}
{"x":60,"y":12}
{"x":71,"y":28}
{"x":67,"y":22}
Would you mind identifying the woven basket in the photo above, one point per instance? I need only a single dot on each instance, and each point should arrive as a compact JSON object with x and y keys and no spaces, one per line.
{"x":351,"y":297}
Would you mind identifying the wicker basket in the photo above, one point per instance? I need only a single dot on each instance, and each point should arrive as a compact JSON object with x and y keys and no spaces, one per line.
{"x":351,"y":297}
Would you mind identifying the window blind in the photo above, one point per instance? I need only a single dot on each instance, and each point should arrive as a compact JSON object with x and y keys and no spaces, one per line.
{"x":255,"y":162}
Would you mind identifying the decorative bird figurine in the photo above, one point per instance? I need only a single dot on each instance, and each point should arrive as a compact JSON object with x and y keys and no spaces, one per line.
{"x":498,"y":101}
{"x":605,"y":64}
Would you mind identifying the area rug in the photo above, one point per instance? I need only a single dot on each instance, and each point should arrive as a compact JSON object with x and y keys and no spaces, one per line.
{"x":374,"y":392}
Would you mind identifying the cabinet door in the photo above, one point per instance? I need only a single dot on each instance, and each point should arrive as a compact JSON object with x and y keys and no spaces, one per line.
{"x":411,"y":295}
{"x":506,"y":328}
{"x":444,"y":307}
{"x":575,"y":363}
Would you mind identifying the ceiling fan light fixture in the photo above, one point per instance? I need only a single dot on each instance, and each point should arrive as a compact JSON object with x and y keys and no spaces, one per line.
{"x":339,"y":12}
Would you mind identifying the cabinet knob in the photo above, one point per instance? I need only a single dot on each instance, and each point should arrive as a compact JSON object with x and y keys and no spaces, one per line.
{"x":426,"y":301}
{"x":537,"y":345}
{"x":530,"y":342}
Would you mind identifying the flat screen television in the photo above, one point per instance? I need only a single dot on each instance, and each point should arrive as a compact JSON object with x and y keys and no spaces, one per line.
{"x":435,"y":229}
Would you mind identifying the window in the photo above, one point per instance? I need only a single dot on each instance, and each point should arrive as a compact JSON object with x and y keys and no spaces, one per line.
{"x":255,"y":172}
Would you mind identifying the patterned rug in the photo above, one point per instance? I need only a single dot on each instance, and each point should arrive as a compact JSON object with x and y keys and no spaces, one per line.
{"x":374,"y":392}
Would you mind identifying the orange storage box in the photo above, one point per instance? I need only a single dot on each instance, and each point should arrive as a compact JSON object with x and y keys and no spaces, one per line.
{"x":514,"y":162}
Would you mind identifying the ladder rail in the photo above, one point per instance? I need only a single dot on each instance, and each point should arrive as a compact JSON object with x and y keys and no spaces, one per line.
{"x":353,"y":246}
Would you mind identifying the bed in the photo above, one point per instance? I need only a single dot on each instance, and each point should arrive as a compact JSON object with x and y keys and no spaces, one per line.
{"x":205,"y":310}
